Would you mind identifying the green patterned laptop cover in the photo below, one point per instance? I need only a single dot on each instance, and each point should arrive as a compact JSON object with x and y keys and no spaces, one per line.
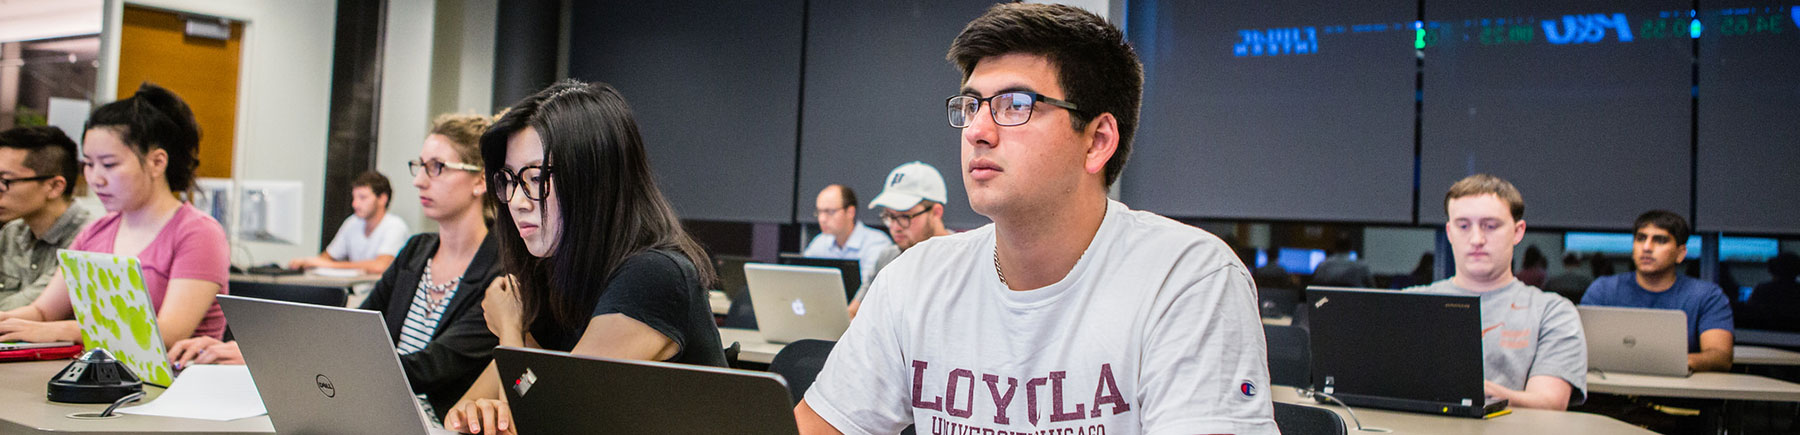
{"x":108,"y":296}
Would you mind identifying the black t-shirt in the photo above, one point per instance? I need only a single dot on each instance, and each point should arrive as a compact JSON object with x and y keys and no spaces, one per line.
{"x":660,"y":289}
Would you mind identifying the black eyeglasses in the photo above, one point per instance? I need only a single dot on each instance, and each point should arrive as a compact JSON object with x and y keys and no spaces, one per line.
{"x":6,"y":183}
{"x":534,"y":180}
{"x":1007,"y":109}
{"x":900,"y":221}
{"x":435,"y":168}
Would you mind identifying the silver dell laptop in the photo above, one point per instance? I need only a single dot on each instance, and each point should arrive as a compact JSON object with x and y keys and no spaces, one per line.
{"x":795,"y":303}
{"x":1636,"y":340}
{"x":324,"y":369}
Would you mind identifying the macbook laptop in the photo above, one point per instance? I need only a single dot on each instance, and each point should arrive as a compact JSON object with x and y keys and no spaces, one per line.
{"x":557,"y":393}
{"x":107,"y":294}
{"x":325,"y":369}
{"x":1636,"y":340}
{"x":1416,"y":352}
{"x":852,"y":270}
{"x":794,"y":303}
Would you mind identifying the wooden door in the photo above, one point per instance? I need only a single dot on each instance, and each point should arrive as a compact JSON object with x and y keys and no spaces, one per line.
{"x":153,"y":47}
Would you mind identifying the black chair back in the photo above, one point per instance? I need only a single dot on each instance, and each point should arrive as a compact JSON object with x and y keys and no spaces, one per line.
{"x":1302,"y":419}
{"x":1290,"y":356}
{"x":306,"y":294}
{"x":800,"y":363}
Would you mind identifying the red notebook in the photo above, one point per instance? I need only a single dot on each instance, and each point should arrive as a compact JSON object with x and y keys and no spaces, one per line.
{"x":41,"y":353}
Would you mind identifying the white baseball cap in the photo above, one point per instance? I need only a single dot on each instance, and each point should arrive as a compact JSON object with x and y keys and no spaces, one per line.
{"x":908,"y":184}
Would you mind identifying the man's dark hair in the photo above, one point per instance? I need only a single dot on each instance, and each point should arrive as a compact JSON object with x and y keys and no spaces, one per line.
{"x":377,"y":184}
{"x":1668,"y":221}
{"x":846,"y":193}
{"x":48,"y":152}
{"x":1098,"y":71}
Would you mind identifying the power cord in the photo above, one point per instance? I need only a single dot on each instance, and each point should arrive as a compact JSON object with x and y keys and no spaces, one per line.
{"x":1309,"y":393}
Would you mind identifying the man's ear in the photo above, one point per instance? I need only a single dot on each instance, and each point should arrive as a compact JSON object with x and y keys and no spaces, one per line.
{"x":1104,"y":130}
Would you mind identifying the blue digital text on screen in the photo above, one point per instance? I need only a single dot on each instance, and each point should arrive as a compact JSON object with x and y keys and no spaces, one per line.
{"x":1277,"y":42}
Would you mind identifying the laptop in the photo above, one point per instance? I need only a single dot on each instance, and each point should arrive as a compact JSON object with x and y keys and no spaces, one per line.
{"x":324,"y":369}
{"x":555,"y":392}
{"x":107,"y":294}
{"x":20,"y":345}
{"x":1410,"y":351}
{"x":794,"y":303}
{"x":731,"y":275}
{"x":1636,"y":340}
{"x":852,"y":270}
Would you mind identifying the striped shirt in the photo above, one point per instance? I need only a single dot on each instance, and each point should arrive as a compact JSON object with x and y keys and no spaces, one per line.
{"x":422,"y":321}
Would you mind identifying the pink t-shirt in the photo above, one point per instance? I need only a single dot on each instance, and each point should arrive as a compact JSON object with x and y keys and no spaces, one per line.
{"x":192,"y":246}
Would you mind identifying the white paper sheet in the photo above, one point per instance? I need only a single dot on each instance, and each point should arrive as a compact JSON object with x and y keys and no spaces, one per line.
{"x":207,"y":392}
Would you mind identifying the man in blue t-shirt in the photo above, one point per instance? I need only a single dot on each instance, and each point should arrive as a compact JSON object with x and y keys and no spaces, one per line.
{"x":1658,"y":245}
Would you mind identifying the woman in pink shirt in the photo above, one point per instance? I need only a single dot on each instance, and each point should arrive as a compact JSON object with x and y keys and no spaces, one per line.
{"x":138,"y":152}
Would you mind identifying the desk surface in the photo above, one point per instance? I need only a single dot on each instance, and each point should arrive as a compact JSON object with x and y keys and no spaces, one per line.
{"x":753,"y":347}
{"x":22,"y":387}
{"x":1767,"y":356}
{"x":308,"y":279}
{"x":1704,"y":385}
{"x":1520,"y":421}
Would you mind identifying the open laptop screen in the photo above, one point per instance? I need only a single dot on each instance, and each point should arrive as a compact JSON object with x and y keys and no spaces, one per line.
{"x":1384,"y":343}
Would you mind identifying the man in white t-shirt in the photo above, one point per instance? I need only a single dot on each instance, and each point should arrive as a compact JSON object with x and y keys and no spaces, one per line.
{"x":359,"y":244}
{"x":1070,"y":313}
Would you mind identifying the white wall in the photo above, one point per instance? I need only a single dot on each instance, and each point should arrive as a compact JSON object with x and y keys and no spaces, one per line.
{"x":405,"y":95}
{"x":284,"y":97}
{"x":438,"y":58}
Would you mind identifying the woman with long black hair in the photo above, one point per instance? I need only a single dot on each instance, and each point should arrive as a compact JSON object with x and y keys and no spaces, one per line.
{"x":597,"y":261}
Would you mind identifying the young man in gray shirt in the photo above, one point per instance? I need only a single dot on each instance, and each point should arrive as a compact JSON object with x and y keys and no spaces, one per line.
{"x":38,"y":171}
{"x":1533,"y":350}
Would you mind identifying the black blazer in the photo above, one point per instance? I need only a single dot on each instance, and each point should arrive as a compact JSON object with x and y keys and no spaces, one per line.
{"x":461,"y":346}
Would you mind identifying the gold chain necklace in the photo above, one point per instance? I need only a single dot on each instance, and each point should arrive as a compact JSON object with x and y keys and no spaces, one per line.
{"x":997,"y":270}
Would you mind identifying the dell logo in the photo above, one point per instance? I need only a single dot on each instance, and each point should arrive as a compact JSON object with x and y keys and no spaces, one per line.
{"x":325,"y":386}
{"x":1630,"y":341}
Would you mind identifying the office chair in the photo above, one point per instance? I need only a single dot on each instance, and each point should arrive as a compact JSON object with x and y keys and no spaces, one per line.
{"x":1302,"y":419}
{"x":1290,"y":356}
{"x":800,"y":363}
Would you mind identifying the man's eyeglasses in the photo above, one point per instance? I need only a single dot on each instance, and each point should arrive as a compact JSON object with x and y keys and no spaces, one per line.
{"x":435,"y":168}
{"x":534,"y":180}
{"x":830,"y":212}
{"x":900,"y":221}
{"x":1008,"y":109}
{"x":6,"y":183}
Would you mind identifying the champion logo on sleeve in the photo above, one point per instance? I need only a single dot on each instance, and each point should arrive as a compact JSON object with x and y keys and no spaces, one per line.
{"x":1248,"y":389}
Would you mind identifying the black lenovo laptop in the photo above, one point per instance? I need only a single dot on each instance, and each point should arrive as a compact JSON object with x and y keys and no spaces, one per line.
{"x":555,"y":393}
{"x":852,"y":270}
{"x":1416,"y":352}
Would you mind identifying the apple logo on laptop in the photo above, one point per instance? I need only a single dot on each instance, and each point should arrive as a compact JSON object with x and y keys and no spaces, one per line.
{"x":799,"y":307}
